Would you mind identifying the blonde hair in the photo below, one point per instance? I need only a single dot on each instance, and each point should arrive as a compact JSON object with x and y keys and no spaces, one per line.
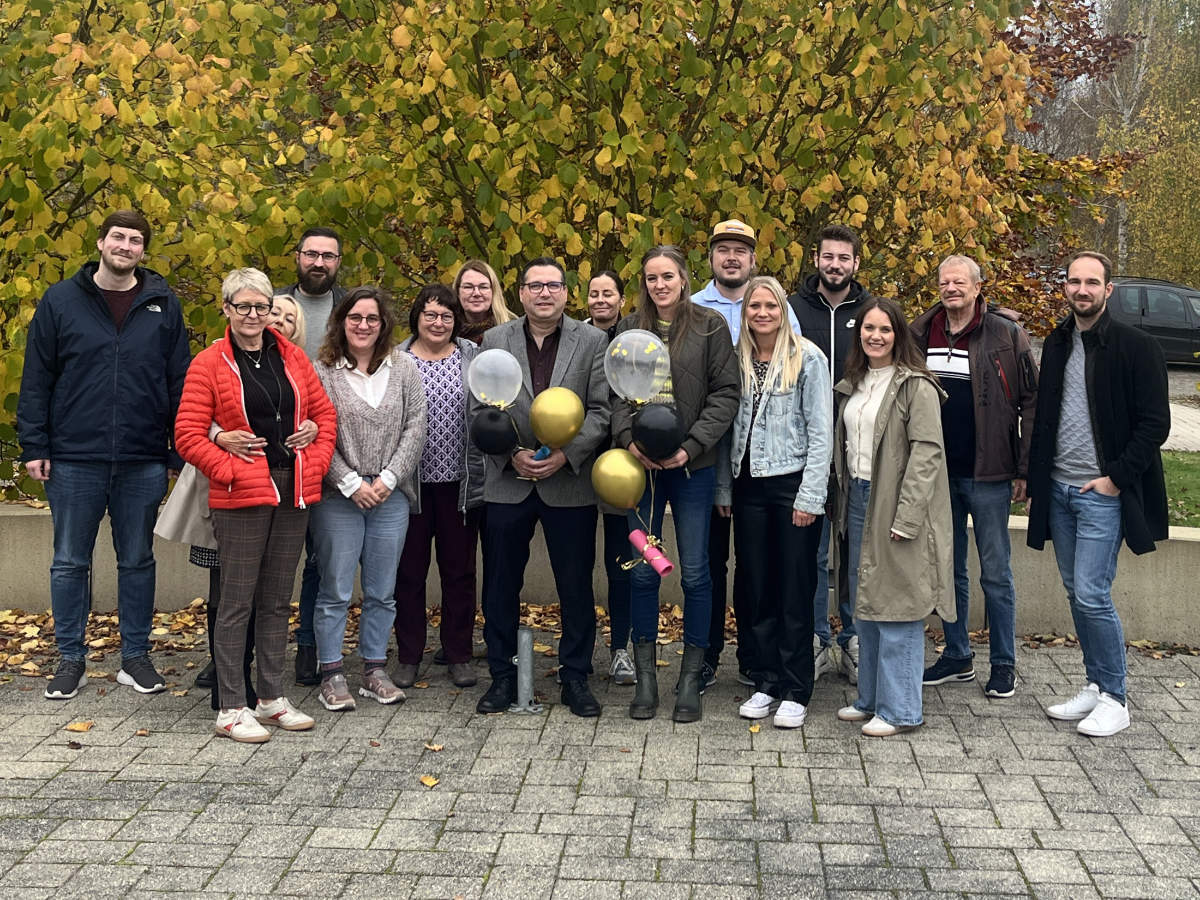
{"x":301,"y":328}
{"x":500,"y":311}
{"x":788,"y":357}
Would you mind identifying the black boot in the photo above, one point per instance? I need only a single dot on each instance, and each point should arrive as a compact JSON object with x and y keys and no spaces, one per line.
{"x":645,"y":697}
{"x":687,"y":692}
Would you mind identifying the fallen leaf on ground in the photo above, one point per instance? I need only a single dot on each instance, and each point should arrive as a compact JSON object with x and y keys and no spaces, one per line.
{"x":436,"y":748}
{"x":1181,"y":684}
{"x":626,"y":750}
{"x":182,"y":693}
{"x":540,"y":648}
{"x":372,"y":743}
{"x":142,"y":732}
{"x":755,"y":729}
{"x":80,"y":726}
{"x":428,"y":780}
{"x":421,"y":685}
{"x":74,"y":745}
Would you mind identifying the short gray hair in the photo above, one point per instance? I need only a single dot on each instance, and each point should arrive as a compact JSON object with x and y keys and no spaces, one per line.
{"x":246,"y":279}
{"x":969,"y":264}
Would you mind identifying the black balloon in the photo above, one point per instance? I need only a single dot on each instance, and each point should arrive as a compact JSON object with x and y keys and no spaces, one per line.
{"x":657,"y":431}
{"x":493,"y":432}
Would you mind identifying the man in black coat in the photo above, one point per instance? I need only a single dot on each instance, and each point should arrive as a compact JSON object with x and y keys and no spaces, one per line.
{"x":1095,"y":475}
{"x":826,"y":306}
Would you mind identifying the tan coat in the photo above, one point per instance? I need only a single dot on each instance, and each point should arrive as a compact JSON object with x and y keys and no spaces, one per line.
{"x":901,"y":581}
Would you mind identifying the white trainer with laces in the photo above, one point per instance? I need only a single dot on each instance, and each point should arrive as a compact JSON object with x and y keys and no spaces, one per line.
{"x":822,"y":659}
{"x":850,"y":660}
{"x":281,"y":713}
{"x":759,"y":706}
{"x":1078,"y":707}
{"x":1108,"y":717}
{"x":240,"y":725}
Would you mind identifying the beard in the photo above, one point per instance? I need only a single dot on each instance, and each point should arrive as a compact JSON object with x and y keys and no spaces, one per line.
{"x":830,"y":284}
{"x":315,"y":283}
{"x":732,"y":282}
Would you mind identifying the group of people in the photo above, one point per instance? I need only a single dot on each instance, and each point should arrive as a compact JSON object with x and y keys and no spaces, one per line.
{"x":840,"y":446}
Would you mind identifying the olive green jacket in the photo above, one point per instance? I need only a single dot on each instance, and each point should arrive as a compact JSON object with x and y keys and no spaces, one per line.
{"x":901,"y":581}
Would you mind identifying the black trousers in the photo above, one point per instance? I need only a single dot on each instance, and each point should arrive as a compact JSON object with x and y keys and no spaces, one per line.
{"x":718,"y":568}
{"x":777,"y":569}
{"x":570,"y":533}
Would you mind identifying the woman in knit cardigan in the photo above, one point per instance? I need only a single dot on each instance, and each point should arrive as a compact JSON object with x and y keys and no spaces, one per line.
{"x":372,"y":480}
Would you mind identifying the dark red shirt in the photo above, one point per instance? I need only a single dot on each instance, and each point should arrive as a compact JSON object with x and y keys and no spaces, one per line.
{"x":120,"y":302}
{"x":541,"y":359}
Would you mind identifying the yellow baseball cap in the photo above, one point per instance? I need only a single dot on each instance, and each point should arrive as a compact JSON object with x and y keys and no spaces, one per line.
{"x":733,"y":230}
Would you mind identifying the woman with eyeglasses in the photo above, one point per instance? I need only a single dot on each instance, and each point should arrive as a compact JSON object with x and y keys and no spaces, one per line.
{"x":273,"y":441}
{"x":380,"y":402}
{"x":478,"y":291}
{"x":450,"y":497}
{"x":704,"y":389}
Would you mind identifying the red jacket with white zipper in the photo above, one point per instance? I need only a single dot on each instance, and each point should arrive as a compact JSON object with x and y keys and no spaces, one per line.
{"x":213,"y":392}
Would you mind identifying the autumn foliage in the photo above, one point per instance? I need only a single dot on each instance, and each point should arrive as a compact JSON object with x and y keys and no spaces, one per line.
{"x":435,"y":130}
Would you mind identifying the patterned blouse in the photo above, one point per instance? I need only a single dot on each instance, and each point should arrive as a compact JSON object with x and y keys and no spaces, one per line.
{"x":760,"y":383}
{"x":446,"y":441}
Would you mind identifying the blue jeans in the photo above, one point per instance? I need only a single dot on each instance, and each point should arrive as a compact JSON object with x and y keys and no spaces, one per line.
{"x":691,"y":498}
{"x":891,"y":655}
{"x":345,"y":536}
{"x":79,"y":494}
{"x":821,"y":598}
{"x":1086,"y":532}
{"x":310,"y":583}
{"x":988,"y":503}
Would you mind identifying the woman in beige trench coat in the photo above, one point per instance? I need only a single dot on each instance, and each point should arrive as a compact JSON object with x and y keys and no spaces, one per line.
{"x":893,"y":506}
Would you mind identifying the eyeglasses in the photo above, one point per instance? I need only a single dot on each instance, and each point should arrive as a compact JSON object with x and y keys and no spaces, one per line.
{"x":536,"y":287}
{"x":474,"y":288}
{"x":313,"y":256}
{"x":372,"y":321}
{"x":244,"y":309}
{"x":429,"y":317}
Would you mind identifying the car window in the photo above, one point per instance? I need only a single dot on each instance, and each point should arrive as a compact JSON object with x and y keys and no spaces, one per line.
{"x":1165,"y":307}
{"x":1195,"y":301}
{"x":1127,"y":301}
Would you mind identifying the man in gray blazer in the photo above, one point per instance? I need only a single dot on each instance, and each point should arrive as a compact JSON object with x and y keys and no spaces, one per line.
{"x":554,"y":351}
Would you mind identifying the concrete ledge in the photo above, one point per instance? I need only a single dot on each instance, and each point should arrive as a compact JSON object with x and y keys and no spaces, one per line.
{"x":1155,"y":594}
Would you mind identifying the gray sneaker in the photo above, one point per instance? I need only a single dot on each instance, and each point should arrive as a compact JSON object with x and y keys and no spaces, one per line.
{"x":335,"y":694}
{"x":377,"y":685}
{"x":68,"y":679}
{"x":621,"y":671}
{"x":849,"y":663}
{"x":822,"y":659}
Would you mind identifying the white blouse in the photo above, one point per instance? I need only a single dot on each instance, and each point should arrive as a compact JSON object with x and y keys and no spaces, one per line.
{"x":861,"y":410}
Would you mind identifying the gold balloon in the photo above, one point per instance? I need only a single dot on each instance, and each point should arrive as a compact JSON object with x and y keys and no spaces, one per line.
{"x":556,"y":416}
{"x":618,"y":478}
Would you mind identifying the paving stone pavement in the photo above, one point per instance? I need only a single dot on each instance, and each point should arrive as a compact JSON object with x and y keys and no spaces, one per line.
{"x":989,"y":798}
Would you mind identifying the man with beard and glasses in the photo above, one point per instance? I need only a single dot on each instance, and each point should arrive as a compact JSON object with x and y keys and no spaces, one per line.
{"x":316,"y":291}
{"x":105,"y":360}
{"x":732,"y":260}
{"x":1096,"y":475}
{"x":827,"y":307}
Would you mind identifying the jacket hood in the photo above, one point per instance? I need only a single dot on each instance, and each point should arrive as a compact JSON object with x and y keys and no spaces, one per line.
{"x":153,"y":284}
{"x":810,"y":292}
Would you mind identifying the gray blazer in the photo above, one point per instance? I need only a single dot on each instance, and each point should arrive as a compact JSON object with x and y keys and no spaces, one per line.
{"x":579,"y":366}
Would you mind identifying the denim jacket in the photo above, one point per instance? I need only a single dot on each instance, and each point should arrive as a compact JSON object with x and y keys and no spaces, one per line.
{"x":793,"y":432}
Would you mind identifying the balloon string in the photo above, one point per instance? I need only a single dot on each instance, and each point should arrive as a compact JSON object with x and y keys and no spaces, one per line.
{"x":651,"y":539}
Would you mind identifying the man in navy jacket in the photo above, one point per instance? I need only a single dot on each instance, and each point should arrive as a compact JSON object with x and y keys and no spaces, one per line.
{"x":105,"y":360}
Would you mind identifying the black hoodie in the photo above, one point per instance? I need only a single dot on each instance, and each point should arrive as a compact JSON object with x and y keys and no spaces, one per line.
{"x":819,"y":322}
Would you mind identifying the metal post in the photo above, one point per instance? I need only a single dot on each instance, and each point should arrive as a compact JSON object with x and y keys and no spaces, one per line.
{"x":524,"y":663}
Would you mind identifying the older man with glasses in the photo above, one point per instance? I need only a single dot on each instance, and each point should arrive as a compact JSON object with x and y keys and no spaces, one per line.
{"x":521,"y":490}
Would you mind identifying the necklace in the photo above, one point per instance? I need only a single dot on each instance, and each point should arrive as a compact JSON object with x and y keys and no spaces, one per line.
{"x":257,"y":361}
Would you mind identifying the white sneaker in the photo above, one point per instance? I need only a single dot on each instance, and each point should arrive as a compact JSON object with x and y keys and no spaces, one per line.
{"x":1106,"y":719}
{"x":822,"y":660}
{"x":1078,"y":707}
{"x":239,"y":724}
{"x":852,"y":714}
{"x":850,"y":660}
{"x":759,"y":706}
{"x":280,"y":712}
{"x":622,"y":670}
{"x":877,"y":727}
{"x":790,"y":714}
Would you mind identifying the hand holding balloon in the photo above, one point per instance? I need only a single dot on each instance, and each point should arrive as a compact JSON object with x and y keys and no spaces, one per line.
{"x":555,"y":416}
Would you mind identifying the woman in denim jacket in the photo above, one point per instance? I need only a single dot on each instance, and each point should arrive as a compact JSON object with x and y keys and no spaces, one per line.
{"x":773,"y":479}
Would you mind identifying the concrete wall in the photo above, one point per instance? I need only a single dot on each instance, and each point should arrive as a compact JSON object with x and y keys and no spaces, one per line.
{"x":1155,"y":594}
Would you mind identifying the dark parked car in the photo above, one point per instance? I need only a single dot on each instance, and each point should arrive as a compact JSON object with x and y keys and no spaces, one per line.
{"x":1169,"y":312}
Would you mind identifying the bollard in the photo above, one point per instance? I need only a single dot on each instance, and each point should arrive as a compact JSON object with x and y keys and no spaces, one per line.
{"x":524,"y":663}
